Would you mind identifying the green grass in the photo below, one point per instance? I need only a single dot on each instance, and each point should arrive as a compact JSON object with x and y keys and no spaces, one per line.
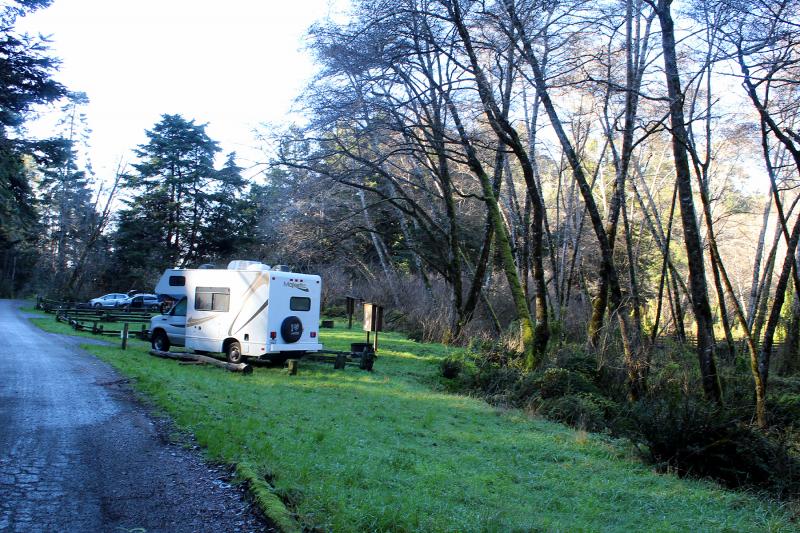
{"x":387,"y":451}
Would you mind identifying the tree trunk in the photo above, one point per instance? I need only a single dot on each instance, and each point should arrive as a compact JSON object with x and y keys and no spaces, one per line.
{"x":791,"y":348}
{"x":753,"y":302}
{"x":507,"y":134}
{"x":664,"y":264}
{"x":530,"y":354}
{"x":691,"y":235}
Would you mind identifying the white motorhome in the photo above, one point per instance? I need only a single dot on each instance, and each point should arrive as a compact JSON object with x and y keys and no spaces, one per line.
{"x":246,"y":310}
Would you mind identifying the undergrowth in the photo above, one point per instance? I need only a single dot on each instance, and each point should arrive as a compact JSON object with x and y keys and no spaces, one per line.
{"x":674,"y":428}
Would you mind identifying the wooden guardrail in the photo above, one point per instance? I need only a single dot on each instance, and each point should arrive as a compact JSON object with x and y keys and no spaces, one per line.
{"x":106,"y":323}
{"x":98,"y":321}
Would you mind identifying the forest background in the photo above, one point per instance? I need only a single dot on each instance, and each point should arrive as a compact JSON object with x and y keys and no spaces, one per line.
{"x":608,"y":188}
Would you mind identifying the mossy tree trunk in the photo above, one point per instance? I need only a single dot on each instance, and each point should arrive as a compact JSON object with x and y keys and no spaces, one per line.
{"x":502,"y":244}
{"x":497,"y":117}
{"x":691,"y":235}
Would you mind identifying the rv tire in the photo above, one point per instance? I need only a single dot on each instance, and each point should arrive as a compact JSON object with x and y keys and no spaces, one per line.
{"x":234,"y":353}
{"x":160,"y":341}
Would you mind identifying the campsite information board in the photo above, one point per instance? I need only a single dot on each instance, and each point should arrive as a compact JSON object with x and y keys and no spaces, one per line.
{"x":373,"y":317}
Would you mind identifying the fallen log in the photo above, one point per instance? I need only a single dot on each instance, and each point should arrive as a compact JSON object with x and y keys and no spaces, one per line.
{"x":185,"y":356}
{"x":233,"y":367}
{"x":180,"y":356}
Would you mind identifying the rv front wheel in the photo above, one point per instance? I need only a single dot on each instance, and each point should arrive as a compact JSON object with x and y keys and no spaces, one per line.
{"x":234,"y":353}
{"x":160,"y":341}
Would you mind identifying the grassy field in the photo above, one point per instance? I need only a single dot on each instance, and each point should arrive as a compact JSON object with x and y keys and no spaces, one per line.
{"x":389,"y":451}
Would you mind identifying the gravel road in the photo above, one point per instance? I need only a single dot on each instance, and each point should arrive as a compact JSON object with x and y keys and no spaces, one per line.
{"x":79,"y":453}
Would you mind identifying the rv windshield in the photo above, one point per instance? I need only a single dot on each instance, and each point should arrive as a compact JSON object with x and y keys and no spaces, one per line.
{"x":179,"y":309}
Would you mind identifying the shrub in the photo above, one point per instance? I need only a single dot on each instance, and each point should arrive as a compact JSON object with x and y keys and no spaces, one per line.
{"x":584,"y":410}
{"x":784,"y":409}
{"x":557,"y":382}
{"x":694,"y":437}
{"x":451,"y":367}
{"x":496,"y":380}
{"x":414,"y":332}
{"x":785,"y":384}
{"x":582,"y":364}
{"x":335,"y":311}
{"x":526,"y":388}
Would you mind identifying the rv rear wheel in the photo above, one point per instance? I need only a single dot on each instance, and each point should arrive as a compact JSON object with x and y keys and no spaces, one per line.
{"x":234,"y":353}
{"x":160,"y":341}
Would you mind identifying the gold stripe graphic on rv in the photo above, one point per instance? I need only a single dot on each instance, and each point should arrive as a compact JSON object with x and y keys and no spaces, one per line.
{"x":196,"y":321}
{"x":261,"y":279}
{"x":264,"y":306}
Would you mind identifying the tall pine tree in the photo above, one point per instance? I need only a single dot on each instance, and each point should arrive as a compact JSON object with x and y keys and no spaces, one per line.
{"x":182,"y":211}
{"x":26,"y":71}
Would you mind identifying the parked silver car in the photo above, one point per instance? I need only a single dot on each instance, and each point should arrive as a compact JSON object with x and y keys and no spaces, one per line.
{"x":141,"y":302}
{"x":113,"y":299}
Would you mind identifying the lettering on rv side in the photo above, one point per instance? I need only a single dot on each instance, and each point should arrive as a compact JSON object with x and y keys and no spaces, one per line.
{"x":296,"y":285}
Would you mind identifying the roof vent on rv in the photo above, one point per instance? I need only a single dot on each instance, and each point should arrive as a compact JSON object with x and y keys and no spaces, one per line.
{"x":243,"y":264}
{"x":207,"y":266}
{"x":281,"y":268}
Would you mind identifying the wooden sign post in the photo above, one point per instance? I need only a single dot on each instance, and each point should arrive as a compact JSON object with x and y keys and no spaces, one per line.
{"x":351,"y":308}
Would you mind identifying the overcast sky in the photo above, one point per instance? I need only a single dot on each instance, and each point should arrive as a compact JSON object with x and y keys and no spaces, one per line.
{"x":233,"y":64}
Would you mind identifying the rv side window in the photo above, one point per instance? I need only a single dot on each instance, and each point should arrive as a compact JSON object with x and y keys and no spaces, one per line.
{"x":212,"y":299}
{"x":177,"y":281}
{"x":300,"y":303}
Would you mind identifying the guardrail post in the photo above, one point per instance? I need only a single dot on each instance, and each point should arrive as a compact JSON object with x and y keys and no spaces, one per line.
{"x":125,"y":336}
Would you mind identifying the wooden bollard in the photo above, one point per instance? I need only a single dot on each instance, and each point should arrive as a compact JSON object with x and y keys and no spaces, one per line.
{"x":367,"y":360}
{"x":341,"y":361}
{"x":125,"y":336}
{"x":291,"y":364}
